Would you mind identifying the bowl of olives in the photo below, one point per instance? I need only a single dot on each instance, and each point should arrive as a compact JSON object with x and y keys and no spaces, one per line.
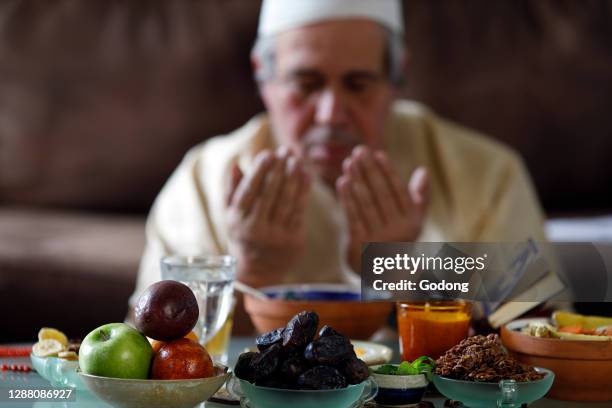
{"x":298,"y":365}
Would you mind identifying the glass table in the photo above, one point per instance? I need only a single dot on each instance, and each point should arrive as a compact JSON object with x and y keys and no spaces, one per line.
{"x":31,"y":380}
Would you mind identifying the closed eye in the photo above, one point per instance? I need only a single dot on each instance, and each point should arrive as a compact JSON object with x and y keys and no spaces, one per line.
{"x":360,"y":82}
{"x":305,"y":81}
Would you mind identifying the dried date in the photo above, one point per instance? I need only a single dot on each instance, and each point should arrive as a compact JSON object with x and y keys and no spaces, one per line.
{"x":264,"y":364}
{"x":327,"y":331}
{"x":300,"y":330}
{"x":270,"y":338}
{"x":354,"y":370}
{"x":242,"y":367}
{"x":321,"y":378}
{"x":331,"y":350}
{"x":292,"y":367}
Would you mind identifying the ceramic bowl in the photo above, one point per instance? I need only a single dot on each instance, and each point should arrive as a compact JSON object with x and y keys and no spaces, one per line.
{"x":400,"y":390}
{"x":128,"y":393}
{"x":58,"y":371}
{"x":583,"y":368}
{"x":254,"y":396}
{"x":486,"y":395}
{"x":338,"y":306}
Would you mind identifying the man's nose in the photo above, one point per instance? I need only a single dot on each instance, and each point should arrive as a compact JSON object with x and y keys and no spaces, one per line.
{"x":331,"y":109}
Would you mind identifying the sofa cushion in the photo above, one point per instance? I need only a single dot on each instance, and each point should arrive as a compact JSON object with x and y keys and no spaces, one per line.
{"x":73,"y":271}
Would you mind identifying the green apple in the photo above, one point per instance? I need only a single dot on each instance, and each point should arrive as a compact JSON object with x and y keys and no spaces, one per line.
{"x":116,"y":350}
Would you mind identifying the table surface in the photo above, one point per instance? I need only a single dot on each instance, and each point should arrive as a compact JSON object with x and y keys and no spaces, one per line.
{"x":237,"y":345}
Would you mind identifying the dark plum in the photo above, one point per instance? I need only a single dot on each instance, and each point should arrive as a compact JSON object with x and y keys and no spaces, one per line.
{"x":167,"y":310}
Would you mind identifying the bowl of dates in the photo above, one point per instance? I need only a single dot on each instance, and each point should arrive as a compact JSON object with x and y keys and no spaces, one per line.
{"x":300,"y":364}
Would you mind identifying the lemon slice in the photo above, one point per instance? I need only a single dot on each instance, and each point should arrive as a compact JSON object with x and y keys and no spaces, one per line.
{"x":47,"y":348}
{"x":563,"y":319}
{"x":49,"y":333}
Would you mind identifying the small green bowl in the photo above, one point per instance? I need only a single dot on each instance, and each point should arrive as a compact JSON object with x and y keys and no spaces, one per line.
{"x":400,"y":391}
{"x":254,"y":396}
{"x":475,"y":394}
{"x":58,"y":371}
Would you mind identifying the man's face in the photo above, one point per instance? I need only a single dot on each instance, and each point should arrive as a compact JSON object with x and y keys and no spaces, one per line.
{"x":329,"y":92}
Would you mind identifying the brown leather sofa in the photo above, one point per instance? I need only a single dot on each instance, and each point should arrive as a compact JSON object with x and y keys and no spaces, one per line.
{"x":99,"y":100}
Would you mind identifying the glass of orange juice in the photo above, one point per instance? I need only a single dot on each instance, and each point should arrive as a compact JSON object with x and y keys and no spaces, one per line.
{"x":432,"y":327}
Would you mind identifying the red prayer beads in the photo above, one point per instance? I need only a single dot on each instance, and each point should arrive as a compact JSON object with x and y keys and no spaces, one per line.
{"x":24,"y":368}
{"x":15,"y":351}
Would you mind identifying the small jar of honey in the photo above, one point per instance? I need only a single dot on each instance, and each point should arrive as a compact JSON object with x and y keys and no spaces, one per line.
{"x":430,"y":328}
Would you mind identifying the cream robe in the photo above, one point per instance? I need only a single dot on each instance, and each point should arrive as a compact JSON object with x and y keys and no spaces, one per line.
{"x":480,"y":191}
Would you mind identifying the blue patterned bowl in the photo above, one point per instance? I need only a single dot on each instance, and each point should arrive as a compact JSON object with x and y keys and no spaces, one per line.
{"x":400,"y":390}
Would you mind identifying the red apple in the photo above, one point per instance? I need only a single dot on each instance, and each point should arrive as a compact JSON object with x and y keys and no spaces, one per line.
{"x":181,"y":359}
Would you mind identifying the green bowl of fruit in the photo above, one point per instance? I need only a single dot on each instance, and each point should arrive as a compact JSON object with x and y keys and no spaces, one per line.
{"x":155,"y":363}
{"x":135,"y":393}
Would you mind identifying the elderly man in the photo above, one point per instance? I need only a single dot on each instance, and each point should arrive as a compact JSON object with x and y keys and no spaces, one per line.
{"x":335,"y":161}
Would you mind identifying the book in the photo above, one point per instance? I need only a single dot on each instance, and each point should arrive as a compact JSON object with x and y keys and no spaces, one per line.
{"x":543,"y":289}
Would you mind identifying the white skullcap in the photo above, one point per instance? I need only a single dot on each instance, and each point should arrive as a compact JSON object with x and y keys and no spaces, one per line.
{"x":281,"y":15}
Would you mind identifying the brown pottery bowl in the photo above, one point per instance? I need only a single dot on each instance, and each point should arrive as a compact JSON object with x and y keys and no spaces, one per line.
{"x":338,"y":306}
{"x":583,"y":369}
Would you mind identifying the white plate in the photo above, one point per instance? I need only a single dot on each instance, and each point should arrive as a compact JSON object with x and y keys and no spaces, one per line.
{"x":372,"y":353}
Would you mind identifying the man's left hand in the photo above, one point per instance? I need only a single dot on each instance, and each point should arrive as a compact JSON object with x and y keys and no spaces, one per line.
{"x":379,"y":206}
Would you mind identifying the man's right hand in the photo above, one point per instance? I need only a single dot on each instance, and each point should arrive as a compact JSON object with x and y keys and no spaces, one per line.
{"x":266,"y":210}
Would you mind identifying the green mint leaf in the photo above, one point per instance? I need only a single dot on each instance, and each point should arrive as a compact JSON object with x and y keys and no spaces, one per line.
{"x":388,"y":369}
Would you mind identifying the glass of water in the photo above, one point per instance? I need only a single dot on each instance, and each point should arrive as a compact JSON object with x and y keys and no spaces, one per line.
{"x":211,"y":278}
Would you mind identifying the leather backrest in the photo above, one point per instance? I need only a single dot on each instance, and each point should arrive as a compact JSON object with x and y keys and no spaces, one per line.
{"x":99,"y":100}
